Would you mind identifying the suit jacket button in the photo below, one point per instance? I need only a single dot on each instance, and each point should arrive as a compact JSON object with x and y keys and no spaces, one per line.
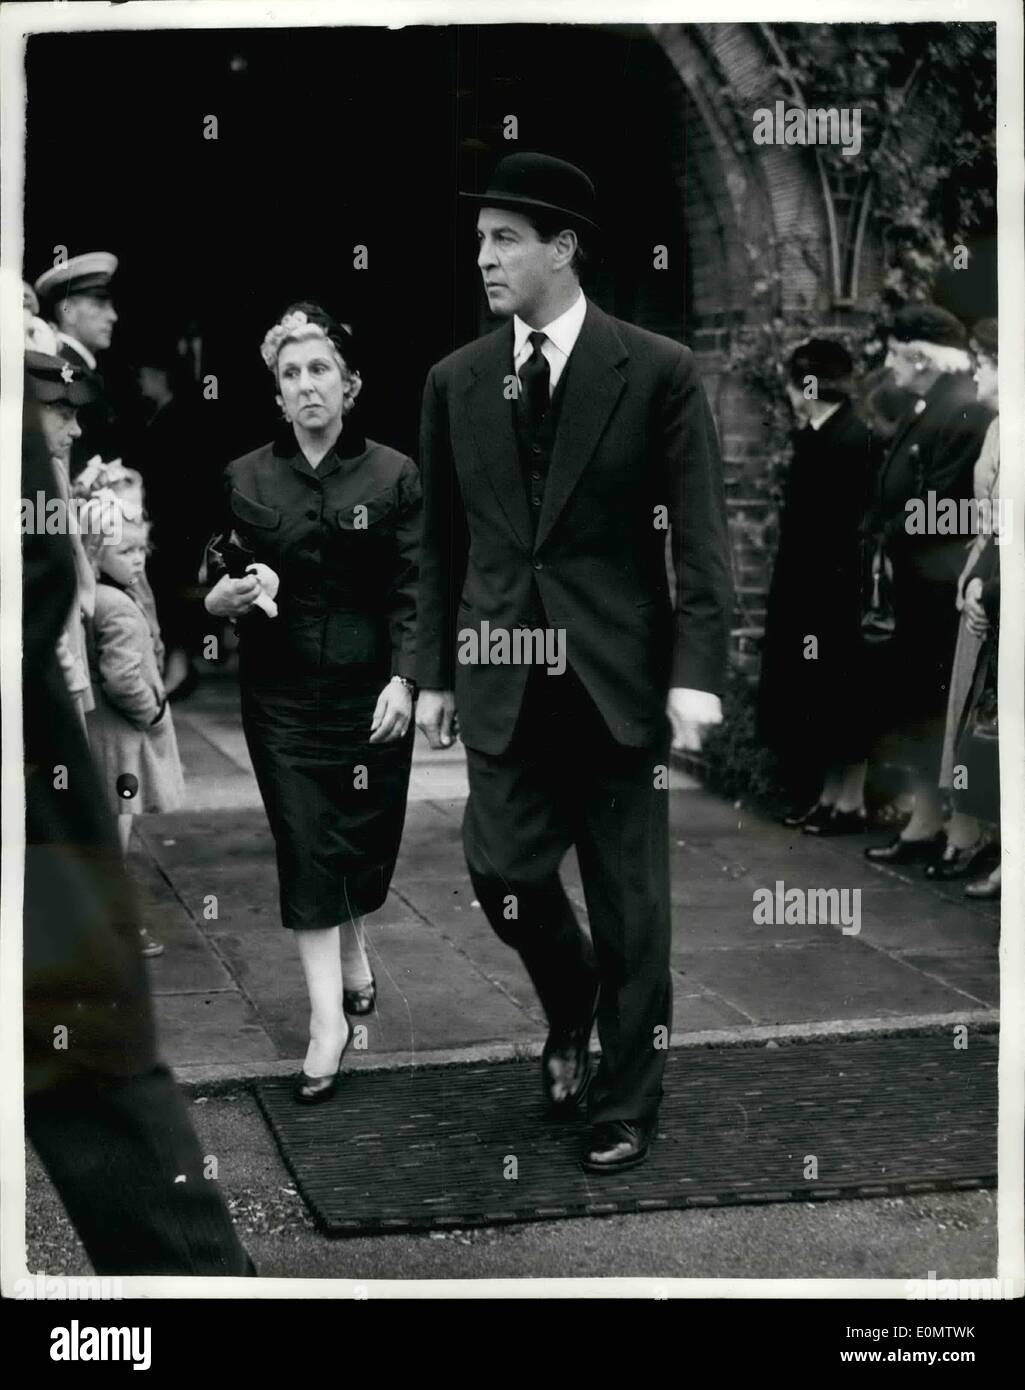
{"x":538,"y":565}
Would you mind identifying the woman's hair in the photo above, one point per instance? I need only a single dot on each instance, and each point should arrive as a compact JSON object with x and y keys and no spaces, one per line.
{"x":303,"y":321}
{"x":306,"y":320}
{"x":106,"y":512}
{"x":882,"y":404}
{"x":984,"y":338}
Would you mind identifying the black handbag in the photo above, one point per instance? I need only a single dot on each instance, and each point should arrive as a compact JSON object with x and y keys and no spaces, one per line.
{"x":878,"y":618}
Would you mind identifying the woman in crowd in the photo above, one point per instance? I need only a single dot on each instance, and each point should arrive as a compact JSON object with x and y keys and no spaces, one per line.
{"x":972,"y":848}
{"x":811,"y":697}
{"x":319,"y":553}
{"x":928,"y":465}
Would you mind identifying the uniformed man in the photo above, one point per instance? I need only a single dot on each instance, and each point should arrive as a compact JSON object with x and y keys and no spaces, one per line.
{"x":76,"y":298}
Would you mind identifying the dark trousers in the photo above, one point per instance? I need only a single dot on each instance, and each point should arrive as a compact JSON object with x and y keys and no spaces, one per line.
{"x":564,"y":781}
{"x":127,"y":1164}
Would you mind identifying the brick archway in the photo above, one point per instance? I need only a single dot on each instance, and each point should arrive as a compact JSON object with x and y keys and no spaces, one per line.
{"x":754,"y":213}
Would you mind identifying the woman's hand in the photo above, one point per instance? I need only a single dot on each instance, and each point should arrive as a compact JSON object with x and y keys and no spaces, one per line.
{"x":392,"y":713}
{"x":230,"y":598}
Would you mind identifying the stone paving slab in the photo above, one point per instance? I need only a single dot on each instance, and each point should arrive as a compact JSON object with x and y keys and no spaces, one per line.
{"x":785,"y":983}
{"x":230,"y":991}
{"x":211,"y":1028}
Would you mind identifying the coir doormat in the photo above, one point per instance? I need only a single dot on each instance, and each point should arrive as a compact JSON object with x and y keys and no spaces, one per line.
{"x":469,"y":1145}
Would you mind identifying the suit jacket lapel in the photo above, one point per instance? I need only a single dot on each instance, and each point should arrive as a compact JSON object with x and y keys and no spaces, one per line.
{"x":492,"y":421}
{"x":592,"y":390}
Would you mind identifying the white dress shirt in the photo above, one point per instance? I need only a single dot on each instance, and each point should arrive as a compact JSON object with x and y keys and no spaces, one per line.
{"x":562,"y":334}
{"x":816,"y":422}
{"x":699,"y":706}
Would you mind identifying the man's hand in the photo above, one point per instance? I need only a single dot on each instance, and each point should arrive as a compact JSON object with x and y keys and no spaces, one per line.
{"x":435,"y":716}
{"x":690,"y":712}
{"x":975,"y":614}
{"x":230,"y":598}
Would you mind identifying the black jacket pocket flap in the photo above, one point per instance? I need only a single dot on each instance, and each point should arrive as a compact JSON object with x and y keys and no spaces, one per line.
{"x":252,"y":513}
{"x":362,"y":516}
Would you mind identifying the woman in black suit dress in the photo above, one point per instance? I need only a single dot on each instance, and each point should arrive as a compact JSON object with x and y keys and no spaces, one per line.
{"x":812,"y":693}
{"x":324,"y":525}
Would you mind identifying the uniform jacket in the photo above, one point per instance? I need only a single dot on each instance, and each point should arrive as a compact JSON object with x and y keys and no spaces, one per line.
{"x":83,"y":971}
{"x":343,"y":539}
{"x":635,"y":435}
{"x":102,"y":432}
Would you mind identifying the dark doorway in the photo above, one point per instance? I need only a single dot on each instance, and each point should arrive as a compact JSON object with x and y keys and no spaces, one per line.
{"x":328,"y":140}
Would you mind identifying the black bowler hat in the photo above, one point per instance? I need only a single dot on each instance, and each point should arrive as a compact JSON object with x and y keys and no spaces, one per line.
{"x":526,"y":182}
{"x":49,"y":379}
{"x":928,"y":323}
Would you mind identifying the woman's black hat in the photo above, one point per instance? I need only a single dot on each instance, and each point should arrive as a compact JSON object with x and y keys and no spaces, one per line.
{"x":823,"y":358}
{"x":49,"y":379}
{"x":526,"y":182}
{"x":928,"y":323}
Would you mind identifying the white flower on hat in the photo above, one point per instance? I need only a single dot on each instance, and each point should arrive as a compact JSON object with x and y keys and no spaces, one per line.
{"x":275,"y":336}
{"x":67,"y":374}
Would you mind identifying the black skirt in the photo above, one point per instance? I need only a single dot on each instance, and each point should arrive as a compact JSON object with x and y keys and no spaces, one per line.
{"x":336,"y":803}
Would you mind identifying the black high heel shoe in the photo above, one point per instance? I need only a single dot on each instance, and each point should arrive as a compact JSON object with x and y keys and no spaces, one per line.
{"x":312,"y":1090}
{"x":360,"y":1002}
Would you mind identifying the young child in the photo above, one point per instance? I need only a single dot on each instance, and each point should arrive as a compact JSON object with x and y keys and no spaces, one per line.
{"x":131,"y":731}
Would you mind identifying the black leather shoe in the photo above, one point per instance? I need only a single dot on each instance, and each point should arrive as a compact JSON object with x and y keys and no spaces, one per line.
{"x":313,"y":1090}
{"x":617,"y":1144}
{"x":838,"y":823}
{"x":963,"y":863}
{"x":901,"y":851}
{"x":566,"y":1071}
{"x":359,"y":1002}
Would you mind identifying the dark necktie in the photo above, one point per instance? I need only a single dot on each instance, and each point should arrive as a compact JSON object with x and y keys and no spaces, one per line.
{"x":535,"y":377}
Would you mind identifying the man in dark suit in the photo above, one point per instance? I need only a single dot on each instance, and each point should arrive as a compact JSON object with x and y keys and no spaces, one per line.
{"x":556,"y":452}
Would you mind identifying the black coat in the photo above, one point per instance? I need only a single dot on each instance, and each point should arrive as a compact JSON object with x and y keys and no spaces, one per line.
{"x":934,"y":450}
{"x":106,"y":423}
{"x":811,"y":696}
{"x":635,"y":434}
{"x":978,"y":748}
{"x":83,"y":971}
{"x":343,"y":539}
